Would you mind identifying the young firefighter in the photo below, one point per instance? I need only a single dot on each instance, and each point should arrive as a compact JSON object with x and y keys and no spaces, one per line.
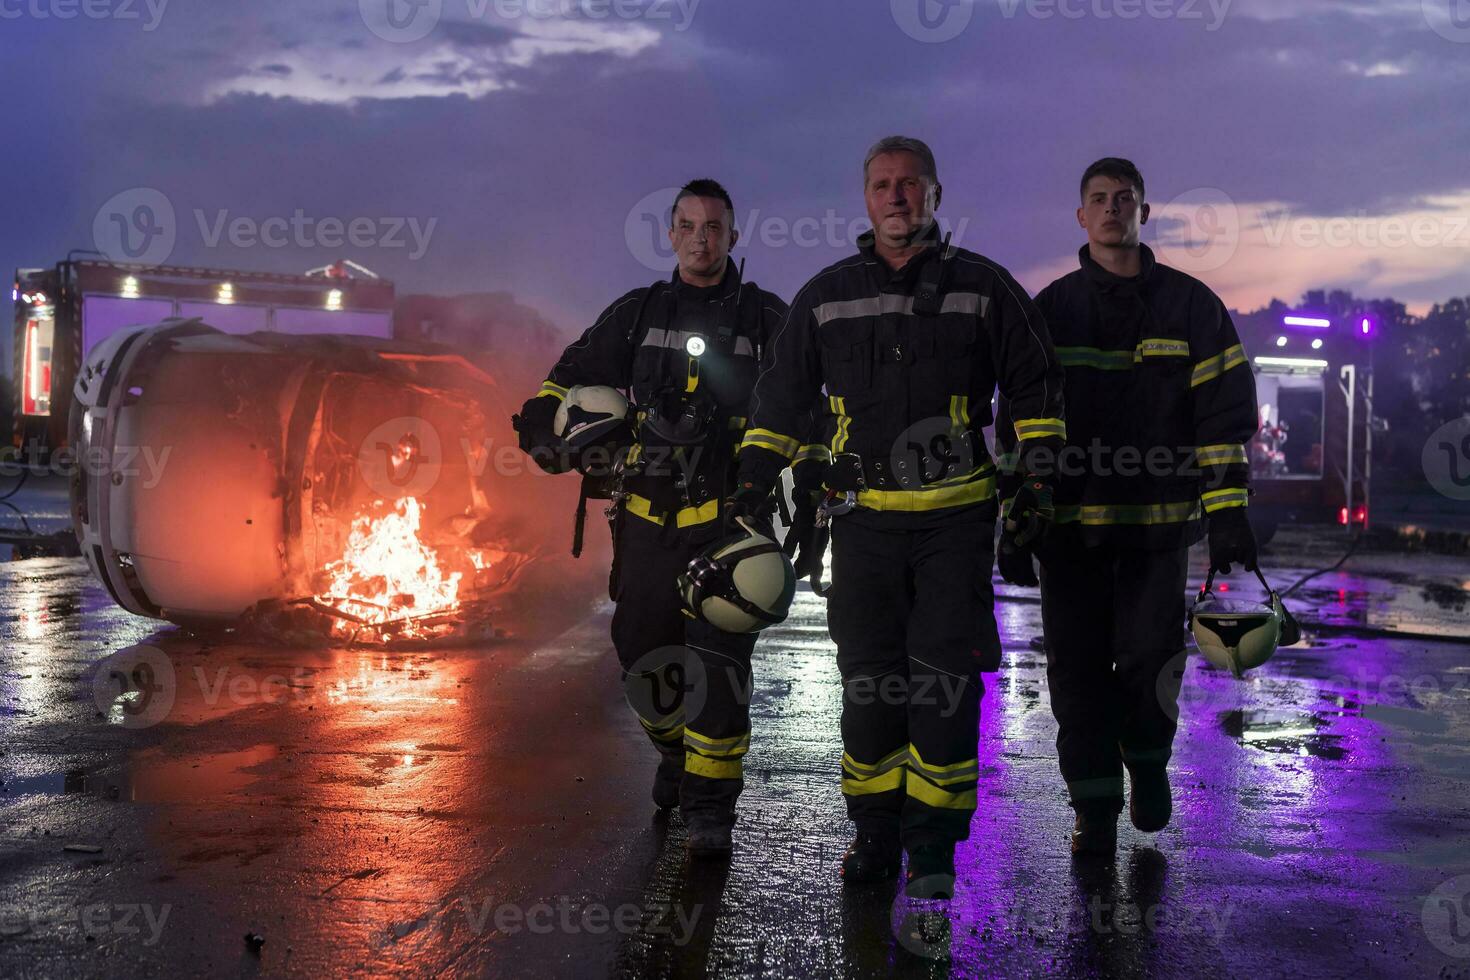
{"x":907,"y":340}
{"x":1160,"y":405}
{"x":689,"y":349}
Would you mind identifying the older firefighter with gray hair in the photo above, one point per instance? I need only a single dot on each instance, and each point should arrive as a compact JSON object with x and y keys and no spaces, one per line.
{"x":903,"y":345}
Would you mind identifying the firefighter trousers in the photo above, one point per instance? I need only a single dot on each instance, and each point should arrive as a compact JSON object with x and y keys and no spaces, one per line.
{"x":1114,"y":621}
{"x":912,"y":614}
{"x":688,"y":683}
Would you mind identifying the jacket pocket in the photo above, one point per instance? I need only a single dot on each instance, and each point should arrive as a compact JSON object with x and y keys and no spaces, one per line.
{"x":847,"y":357}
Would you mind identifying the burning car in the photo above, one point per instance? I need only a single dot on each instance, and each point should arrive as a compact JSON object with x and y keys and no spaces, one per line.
{"x":319,"y":484}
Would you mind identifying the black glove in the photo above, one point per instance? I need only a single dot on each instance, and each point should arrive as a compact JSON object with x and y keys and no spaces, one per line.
{"x":752,"y":503}
{"x":804,"y":543}
{"x":1027,"y":519}
{"x":1231,"y":539}
{"x":536,"y":432}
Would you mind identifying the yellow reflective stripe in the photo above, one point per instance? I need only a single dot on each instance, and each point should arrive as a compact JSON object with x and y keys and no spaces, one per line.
{"x":1212,"y":367}
{"x":946,"y":775}
{"x":926,"y":792}
{"x":1040,"y":428}
{"x":553,"y":390}
{"x":1161,"y":347}
{"x":737,"y":422}
{"x":699,"y":765}
{"x":860,"y":769}
{"x":1221,"y":499}
{"x":666,"y":730}
{"x":687,"y":517}
{"x":1093,"y":357}
{"x":774,"y":441}
{"x":693,"y":381}
{"x":815,"y":451}
{"x":1101,"y":514}
{"x":734,"y":745}
{"x":1220,"y":455}
{"x":959,"y":413}
{"x":972,"y":488}
{"x":867,"y":786}
{"x":839,"y":409}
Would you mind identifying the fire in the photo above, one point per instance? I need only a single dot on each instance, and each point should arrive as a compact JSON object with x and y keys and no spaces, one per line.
{"x":388,"y":574}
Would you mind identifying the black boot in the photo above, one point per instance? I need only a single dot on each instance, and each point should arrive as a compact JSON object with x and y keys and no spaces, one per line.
{"x":666,"y":781}
{"x":1149,"y":803}
{"x":931,"y":872}
{"x":709,"y":833}
{"x":1096,"y":832}
{"x":872,"y":856}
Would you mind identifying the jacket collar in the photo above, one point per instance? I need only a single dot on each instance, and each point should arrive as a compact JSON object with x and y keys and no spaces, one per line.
{"x":1106,"y":280}
{"x":929,"y":237}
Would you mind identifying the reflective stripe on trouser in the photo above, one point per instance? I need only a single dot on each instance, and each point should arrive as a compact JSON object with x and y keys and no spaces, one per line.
{"x":1114,"y":621}
{"x":912,"y":615}
{"x":687,"y":682}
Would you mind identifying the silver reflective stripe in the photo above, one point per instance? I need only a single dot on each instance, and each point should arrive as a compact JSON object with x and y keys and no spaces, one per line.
{"x":893,"y":303}
{"x":676,"y":339}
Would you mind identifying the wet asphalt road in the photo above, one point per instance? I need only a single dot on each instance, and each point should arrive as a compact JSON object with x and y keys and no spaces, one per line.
{"x":484,"y":812}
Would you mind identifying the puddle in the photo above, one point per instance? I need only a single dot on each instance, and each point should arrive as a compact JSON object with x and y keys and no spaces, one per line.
{"x":1284,"y":733}
{"x":152,"y":778}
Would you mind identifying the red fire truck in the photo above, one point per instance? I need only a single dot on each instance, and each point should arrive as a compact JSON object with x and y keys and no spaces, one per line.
{"x":1311,"y":460}
{"x":61,"y":313}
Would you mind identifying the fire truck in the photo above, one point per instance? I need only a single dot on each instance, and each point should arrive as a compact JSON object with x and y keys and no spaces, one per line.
{"x":61,"y":313}
{"x":1312,"y":457}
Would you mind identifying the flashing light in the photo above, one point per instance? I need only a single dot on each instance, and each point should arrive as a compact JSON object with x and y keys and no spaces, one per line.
{"x":1360,"y":515}
{"x":1367,"y":327}
{"x":1342,"y":516}
{"x":1280,"y":341}
{"x":334,"y":299}
{"x":130,"y":287}
{"x":1292,"y":362}
{"x":1311,"y":322}
{"x":1317,"y":344}
{"x":695,"y":346}
{"x":226,"y":293}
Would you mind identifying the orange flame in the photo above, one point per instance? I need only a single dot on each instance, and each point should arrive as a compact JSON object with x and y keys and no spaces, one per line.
{"x":387,"y":573}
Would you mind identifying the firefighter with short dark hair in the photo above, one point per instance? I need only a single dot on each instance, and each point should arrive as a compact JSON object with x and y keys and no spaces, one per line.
{"x":903,"y":345}
{"x":1161,"y":404}
{"x":688,"y":349}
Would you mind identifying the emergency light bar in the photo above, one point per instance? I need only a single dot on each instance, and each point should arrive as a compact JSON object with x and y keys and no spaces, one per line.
{"x":1292,"y":362}
{"x":1311,"y":322}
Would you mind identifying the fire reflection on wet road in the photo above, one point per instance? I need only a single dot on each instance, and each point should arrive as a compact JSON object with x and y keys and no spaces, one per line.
{"x":484,"y":811}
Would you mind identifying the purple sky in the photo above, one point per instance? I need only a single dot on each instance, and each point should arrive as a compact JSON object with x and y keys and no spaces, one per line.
{"x":1287,"y":143}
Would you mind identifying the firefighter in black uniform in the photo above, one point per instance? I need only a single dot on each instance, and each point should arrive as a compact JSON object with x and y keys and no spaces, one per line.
{"x":1161,"y":403}
{"x":689,"y":350}
{"x":902,"y":345}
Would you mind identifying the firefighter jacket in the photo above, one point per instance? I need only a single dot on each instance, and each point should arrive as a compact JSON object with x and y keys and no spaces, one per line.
{"x":1161,"y":402}
{"x":905,"y":364}
{"x":642,"y":344}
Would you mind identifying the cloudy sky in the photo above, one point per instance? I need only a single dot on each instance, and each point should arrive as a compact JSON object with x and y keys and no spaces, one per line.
{"x":531,"y":145}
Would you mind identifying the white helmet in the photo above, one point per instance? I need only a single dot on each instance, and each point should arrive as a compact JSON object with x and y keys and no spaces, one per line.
{"x":593,"y":416}
{"x":741,"y":584}
{"x":1238,"y":634}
